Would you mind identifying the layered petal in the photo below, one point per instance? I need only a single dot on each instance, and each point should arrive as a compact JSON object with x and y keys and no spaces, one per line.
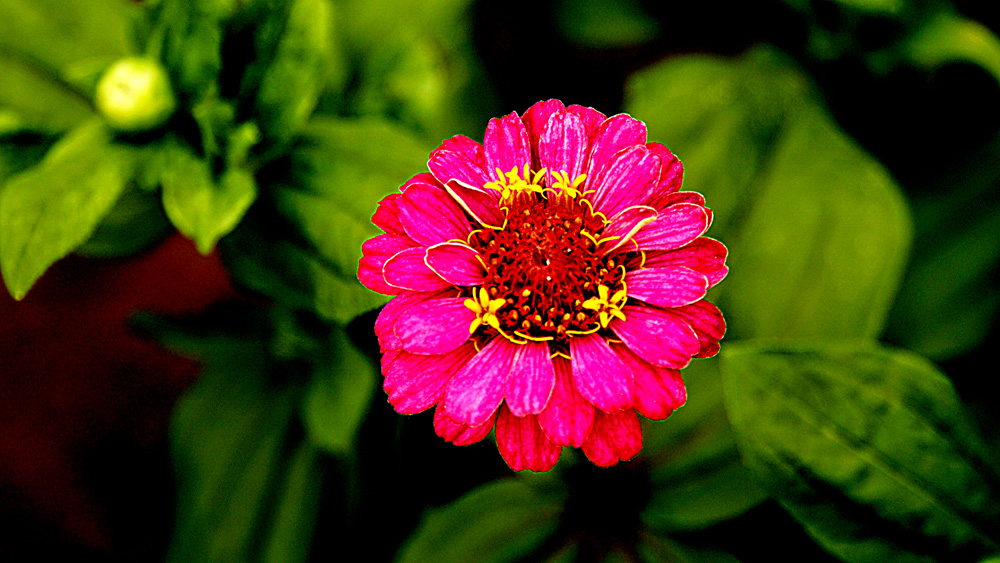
{"x":670,"y":286}
{"x":676,"y":226}
{"x":563,"y":144}
{"x":456,"y":263}
{"x":536,"y":117}
{"x":708,"y":324}
{"x":658,"y":391}
{"x":458,"y":433}
{"x":599,"y":375}
{"x":386,"y":217}
{"x":628,"y":179}
{"x":568,"y":418}
{"x":657,"y":336}
{"x":506,"y":144}
{"x":394,"y":309}
{"x":704,"y":255}
{"x":522,"y":443}
{"x":376,"y":251}
{"x":430,"y":215}
{"x":671,"y":169}
{"x":435,"y":326}
{"x":460,"y":159}
{"x":615,"y":437}
{"x":624,"y":225}
{"x":532,"y":379}
{"x":482,"y":205}
{"x":416,"y":382}
{"x":407,"y":270}
{"x":477,"y":390}
{"x":610,"y":136}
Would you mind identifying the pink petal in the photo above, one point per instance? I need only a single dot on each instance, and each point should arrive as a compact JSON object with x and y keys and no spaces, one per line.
{"x":456,"y":263}
{"x":563,"y":145}
{"x":662,"y":201}
{"x":457,"y":433}
{"x":430,"y":215}
{"x":476,"y":391}
{"x":657,"y":336}
{"x":522,"y":443}
{"x":708,"y":324}
{"x":615,"y":437}
{"x":416,"y":382}
{"x":672,"y":286}
{"x":628,"y":179}
{"x":624,"y":225}
{"x":482,"y":205}
{"x":506,"y":144}
{"x":395,"y":309}
{"x":386,"y":217}
{"x":598,"y":373}
{"x":658,"y":391}
{"x":531,"y":379}
{"x":671,"y":169}
{"x":459,"y":158}
{"x":376,"y":251}
{"x":537,"y":116}
{"x":612,"y":135}
{"x":568,"y":418}
{"x":675,"y":227}
{"x":704,"y":255}
{"x":407,"y":270}
{"x":435,"y":326}
{"x":590,"y":117}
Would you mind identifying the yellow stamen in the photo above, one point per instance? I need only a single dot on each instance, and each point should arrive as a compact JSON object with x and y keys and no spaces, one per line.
{"x":607,"y":305}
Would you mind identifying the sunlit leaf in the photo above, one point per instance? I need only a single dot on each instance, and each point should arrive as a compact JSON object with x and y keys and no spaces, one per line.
{"x":869,"y":449}
{"x":500,"y":522}
{"x":818,"y":233}
{"x":49,"y":210}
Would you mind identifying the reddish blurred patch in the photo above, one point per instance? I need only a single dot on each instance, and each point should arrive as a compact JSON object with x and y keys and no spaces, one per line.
{"x":85,"y":401}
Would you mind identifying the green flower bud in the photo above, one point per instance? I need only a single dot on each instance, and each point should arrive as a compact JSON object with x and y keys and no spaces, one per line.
{"x":135,"y":95}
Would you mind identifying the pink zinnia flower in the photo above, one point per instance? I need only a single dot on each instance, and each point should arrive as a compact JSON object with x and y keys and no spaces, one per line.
{"x":549,"y":281}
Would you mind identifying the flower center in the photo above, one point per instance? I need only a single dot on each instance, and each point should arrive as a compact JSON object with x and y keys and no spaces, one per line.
{"x":545,"y":279}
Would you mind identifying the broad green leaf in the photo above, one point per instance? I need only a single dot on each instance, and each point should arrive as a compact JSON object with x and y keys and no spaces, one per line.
{"x":818,"y":233}
{"x":39,"y":98}
{"x":136,"y":222}
{"x":294,"y":518}
{"x":200,"y":208}
{"x":606,"y":23}
{"x":337,"y":399}
{"x":950,"y":38}
{"x":20,"y":151}
{"x":228,"y":439}
{"x":48,"y":211}
{"x":291,"y":85}
{"x":500,"y":522}
{"x":696,"y":473}
{"x":187,"y":36}
{"x":869,"y":449}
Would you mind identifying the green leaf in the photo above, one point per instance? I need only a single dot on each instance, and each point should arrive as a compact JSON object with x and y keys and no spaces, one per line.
{"x":655,"y":549}
{"x":338,"y":396}
{"x":294,"y":519}
{"x":949,"y":38}
{"x":228,"y":439}
{"x":606,"y":23}
{"x":135,"y":223}
{"x":696,"y":473}
{"x":201,"y":209}
{"x":869,"y":449}
{"x":187,"y":36}
{"x":500,"y":522}
{"x":291,"y":85}
{"x":49,"y":210}
{"x":818,"y":233}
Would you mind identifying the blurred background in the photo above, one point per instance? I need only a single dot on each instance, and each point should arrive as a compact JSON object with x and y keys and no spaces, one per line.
{"x":849,"y":148}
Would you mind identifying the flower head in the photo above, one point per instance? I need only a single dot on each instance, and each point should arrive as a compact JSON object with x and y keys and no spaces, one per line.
{"x":549,"y":282}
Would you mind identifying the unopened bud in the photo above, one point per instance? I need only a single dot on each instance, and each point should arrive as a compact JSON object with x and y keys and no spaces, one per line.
{"x":135,"y":95}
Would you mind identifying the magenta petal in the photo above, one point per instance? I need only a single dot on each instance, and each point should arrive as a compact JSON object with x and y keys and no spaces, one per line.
{"x":612,"y":135}
{"x":456,"y":263}
{"x":459,"y":158}
{"x":563,"y":145}
{"x":476,"y":391}
{"x":657,"y":336}
{"x":407,"y":270}
{"x":416,"y":382}
{"x":628,"y":179}
{"x":376,"y":252}
{"x":436,"y":326}
{"x":457,"y":433}
{"x":658,"y":391}
{"x":672,"y":286}
{"x":568,"y":418}
{"x":624,"y":225}
{"x":522,"y":443}
{"x":590,"y":117}
{"x":386,"y":217}
{"x":430,"y":215}
{"x":394,"y":310}
{"x":483,"y":205}
{"x":506,"y":145}
{"x":531,"y":379}
{"x":707,"y":322}
{"x":664,"y":200}
{"x":537,"y":116}
{"x":675,"y":227}
{"x":704,"y":255}
{"x":598,"y":373}
{"x":671,"y":169}
{"x":615,"y":437}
